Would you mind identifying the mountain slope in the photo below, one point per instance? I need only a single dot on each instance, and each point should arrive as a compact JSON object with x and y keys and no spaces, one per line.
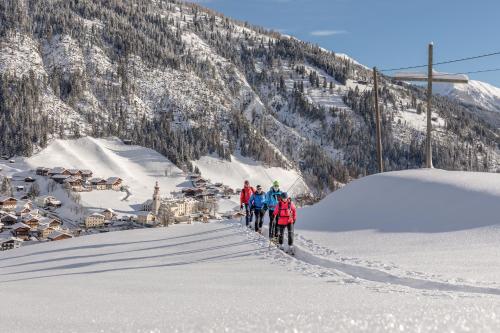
{"x":189,"y":82}
{"x":477,"y":93}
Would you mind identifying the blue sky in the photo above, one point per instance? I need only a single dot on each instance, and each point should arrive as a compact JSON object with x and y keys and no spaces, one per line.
{"x":385,"y":33}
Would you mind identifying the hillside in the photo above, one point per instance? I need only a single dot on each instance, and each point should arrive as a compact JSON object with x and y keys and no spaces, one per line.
{"x":480,"y":96}
{"x":221,"y":277}
{"x":140,"y":168}
{"x":418,"y":220}
{"x":188,"y":82}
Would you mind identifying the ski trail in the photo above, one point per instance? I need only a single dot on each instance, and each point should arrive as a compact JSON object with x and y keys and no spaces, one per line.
{"x":375,"y":275}
{"x":308,"y":261}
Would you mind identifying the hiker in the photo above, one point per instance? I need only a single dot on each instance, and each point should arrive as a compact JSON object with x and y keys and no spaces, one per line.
{"x":287,"y":215}
{"x":258,"y":206}
{"x":271,"y":201}
{"x":245,"y":195}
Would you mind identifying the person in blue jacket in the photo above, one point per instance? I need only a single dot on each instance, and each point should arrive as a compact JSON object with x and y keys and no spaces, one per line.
{"x":258,"y":205}
{"x":272,"y":201}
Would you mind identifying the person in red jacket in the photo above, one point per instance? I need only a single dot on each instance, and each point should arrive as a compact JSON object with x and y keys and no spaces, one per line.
{"x":245,"y":195}
{"x":287,"y":215}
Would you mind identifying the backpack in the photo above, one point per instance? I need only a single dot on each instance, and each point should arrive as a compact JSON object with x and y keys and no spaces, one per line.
{"x":288,"y":209}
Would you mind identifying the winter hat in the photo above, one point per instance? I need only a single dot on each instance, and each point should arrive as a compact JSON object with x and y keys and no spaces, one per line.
{"x":284,"y":195}
{"x":276,"y":183}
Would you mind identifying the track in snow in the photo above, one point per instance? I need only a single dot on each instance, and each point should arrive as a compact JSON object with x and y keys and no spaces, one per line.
{"x":304,"y":252}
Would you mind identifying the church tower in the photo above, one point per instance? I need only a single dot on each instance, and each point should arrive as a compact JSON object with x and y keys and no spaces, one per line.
{"x":155,"y":207}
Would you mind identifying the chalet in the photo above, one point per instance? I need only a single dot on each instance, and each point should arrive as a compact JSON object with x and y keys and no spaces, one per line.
{"x":86,"y":174}
{"x":114,"y":183}
{"x":8,"y":219}
{"x":98,"y":183}
{"x":29,"y":180}
{"x":8,"y":203}
{"x":31,"y":221}
{"x":94,"y":220}
{"x":108,"y":213}
{"x":41,"y":171}
{"x":10,"y":243}
{"x":58,"y":235}
{"x":22,"y":211}
{"x":21,"y":230}
{"x":44,"y":230}
{"x":60,"y":178}
{"x":74,"y":182}
{"x":75,"y":173}
{"x":51,"y":222}
{"x":218,"y":185}
{"x":58,"y":171}
{"x":46,"y":201}
{"x":19,"y":188}
{"x":145,"y":217}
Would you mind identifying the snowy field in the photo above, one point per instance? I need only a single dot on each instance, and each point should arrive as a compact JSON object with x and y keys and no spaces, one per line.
{"x":140,"y":168}
{"x":422,"y":257}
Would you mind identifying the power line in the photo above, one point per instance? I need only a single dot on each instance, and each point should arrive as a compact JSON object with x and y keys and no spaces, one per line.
{"x":443,"y":62}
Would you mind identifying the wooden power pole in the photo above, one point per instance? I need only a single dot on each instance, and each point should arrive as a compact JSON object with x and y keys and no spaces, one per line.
{"x":428,"y":143}
{"x":377,"y":119}
{"x":430,"y":78}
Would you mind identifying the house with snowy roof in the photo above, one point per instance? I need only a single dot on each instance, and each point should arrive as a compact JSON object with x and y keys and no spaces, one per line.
{"x":47,"y":200}
{"x":58,"y":235}
{"x":114,"y":183}
{"x":98,"y":183}
{"x":95,"y":220}
{"x":58,"y":171}
{"x":8,"y":203}
{"x":145,"y":217}
{"x":108,"y":213}
{"x":31,"y":220}
{"x":60,"y":178}
{"x":8,"y":219}
{"x":9,"y":243}
{"x":21,"y":230}
{"x":41,"y":171}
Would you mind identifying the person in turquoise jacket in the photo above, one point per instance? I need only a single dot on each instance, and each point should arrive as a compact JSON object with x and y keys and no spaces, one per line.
{"x":272,"y":201}
{"x":258,"y":205}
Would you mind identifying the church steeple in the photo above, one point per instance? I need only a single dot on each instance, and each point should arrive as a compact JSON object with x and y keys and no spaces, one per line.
{"x":155,"y":207}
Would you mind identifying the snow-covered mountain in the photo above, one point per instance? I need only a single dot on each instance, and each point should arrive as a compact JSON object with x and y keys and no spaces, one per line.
{"x":189,"y":82}
{"x":476,"y":93}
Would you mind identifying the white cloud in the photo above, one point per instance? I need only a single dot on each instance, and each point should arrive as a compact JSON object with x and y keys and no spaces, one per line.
{"x":325,"y":33}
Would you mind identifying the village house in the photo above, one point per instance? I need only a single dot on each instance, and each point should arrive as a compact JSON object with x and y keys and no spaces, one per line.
{"x":180,"y":210}
{"x":58,"y":235}
{"x":44,"y":230}
{"x":75,"y":183}
{"x":29,"y":180}
{"x":114,"y":183}
{"x":51,"y":222}
{"x":31,"y":221}
{"x":75,"y":173}
{"x":19,"y":188}
{"x":10,"y":243}
{"x":86,"y":174}
{"x":200,"y":182}
{"x":108,"y":213}
{"x":8,"y":203}
{"x":21,"y":230}
{"x":8,"y":219}
{"x":58,"y":171}
{"x":41,"y":171}
{"x":60,"y":178}
{"x":1,"y":226}
{"x":145,"y":217}
{"x":47,"y":201}
{"x":22,"y":211}
{"x":98,"y":183}
{"x":191,"y":192}
{"x":94,"y":220}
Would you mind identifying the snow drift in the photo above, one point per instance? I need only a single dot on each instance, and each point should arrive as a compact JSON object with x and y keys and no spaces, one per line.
{"x":410,"y":201}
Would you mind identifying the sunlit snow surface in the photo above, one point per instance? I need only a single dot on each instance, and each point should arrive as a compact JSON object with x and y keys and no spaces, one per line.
{"x":212,"y":277}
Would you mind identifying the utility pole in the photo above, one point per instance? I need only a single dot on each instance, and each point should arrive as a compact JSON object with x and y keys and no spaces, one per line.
{"x":377,"y":119}
{"x":430,"y":78}
{"x":428,"y":143}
